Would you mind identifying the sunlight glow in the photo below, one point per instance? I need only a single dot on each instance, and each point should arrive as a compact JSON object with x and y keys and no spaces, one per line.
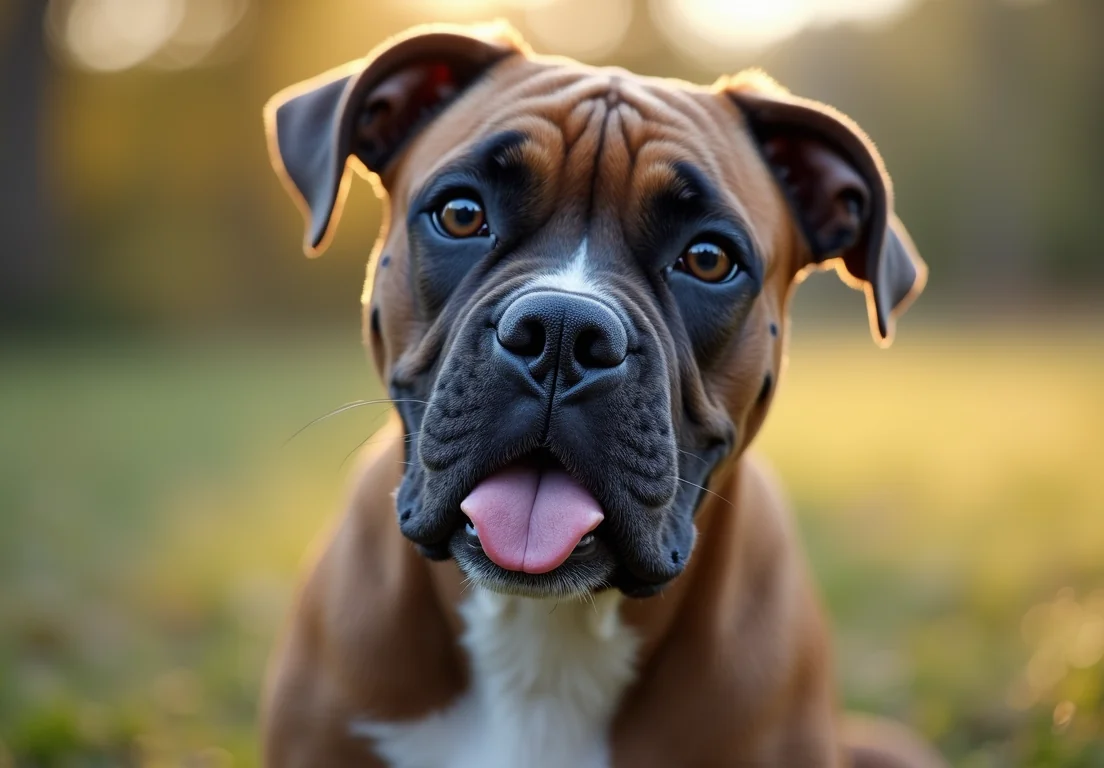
{"x":754,"y":24}
{"x":205,"y":24}
{"x":584,"y":29}
{"x":455,"y":10}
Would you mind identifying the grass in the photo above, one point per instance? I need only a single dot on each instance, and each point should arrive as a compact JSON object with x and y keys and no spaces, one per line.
{"x":152,"y":523}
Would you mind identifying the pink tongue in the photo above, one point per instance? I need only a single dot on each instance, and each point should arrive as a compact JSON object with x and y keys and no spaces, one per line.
{"x":529,"y":519}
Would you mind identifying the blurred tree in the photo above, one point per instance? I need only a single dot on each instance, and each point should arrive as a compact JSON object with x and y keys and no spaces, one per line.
{"x":989,"y":114}
{"x":29,"y":279}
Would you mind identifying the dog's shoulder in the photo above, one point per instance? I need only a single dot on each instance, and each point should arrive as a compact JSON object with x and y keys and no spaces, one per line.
{"x":367,"y":637}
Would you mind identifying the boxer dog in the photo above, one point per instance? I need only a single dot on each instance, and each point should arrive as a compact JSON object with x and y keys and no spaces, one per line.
{"x":559,"y":552}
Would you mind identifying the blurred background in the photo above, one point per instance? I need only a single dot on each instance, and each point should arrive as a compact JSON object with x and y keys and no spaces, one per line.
{"x":161,"y":337}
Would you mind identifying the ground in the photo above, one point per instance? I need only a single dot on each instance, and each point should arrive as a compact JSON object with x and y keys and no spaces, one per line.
{"x":152,"y":521}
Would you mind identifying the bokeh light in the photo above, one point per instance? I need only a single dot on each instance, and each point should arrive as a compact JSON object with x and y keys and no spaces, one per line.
{"x":113,"y":35}
{"x":754,"y":24}
{"x":469,"y":9}
{"x":584,"y":29}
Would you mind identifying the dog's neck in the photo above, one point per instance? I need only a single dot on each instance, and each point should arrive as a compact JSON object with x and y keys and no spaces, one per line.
{"x":546,"y":679}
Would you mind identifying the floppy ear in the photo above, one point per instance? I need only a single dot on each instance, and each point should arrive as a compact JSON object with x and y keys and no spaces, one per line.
{"x":839,"y":192}
{"x":368,"y":109}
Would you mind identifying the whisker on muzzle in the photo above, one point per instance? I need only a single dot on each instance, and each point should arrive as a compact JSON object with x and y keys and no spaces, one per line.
{"x":366,"y":441}
{"x":349,"y":407}
{"x":692,"y":455}
{"x":703,"y":488}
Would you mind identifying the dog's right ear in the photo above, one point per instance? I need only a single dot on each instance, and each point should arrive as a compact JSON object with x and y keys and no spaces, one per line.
{"x":364,"y":112}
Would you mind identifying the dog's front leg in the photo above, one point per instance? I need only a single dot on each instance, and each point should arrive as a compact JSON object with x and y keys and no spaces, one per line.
{"x":304,"y":723}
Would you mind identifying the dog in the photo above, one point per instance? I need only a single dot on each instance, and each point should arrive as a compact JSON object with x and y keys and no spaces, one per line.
{"x":559,"y":552}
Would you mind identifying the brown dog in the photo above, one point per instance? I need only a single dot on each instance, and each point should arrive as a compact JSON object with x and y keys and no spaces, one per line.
{"x":560,"y":554}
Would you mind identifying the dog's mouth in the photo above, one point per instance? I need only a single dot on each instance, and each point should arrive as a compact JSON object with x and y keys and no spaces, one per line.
{"x":531,"y":527}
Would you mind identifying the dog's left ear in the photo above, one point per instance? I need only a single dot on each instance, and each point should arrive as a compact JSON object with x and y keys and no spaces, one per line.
{"x":363,"y":113}
{"x":839,"y":192}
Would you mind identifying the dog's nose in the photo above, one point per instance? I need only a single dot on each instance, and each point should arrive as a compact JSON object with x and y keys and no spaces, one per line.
{"x":550,"y":329}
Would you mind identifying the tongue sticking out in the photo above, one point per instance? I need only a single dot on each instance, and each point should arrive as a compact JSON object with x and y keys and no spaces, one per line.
{"x":530,"y":518}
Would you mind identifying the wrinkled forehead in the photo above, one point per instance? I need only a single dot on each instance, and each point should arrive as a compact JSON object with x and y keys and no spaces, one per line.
{"x":599,"y":140}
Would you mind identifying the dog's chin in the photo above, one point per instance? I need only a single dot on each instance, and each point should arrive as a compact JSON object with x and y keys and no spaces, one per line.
{"x":586,"y":571}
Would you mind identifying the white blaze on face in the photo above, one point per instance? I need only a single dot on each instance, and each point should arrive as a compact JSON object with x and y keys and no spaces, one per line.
{"x":574,"y":277}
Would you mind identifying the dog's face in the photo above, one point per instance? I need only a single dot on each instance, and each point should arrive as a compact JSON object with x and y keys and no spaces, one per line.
{"x":579,"y":300}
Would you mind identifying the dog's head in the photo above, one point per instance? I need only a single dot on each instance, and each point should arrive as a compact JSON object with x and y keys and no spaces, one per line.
{"x":579,"y":297}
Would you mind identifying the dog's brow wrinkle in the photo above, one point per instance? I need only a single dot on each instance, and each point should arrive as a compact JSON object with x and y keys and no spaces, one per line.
{"x":625,"y":113}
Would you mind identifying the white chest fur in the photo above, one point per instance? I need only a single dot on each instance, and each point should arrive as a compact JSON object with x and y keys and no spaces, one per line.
{"x":546,"y":680}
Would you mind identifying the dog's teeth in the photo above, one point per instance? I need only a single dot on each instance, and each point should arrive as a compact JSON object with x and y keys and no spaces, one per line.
{"x":585,"y":545}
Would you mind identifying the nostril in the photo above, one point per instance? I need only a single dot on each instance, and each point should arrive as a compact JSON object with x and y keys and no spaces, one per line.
{"x":595,"y":349}
{"x":534,"y":345}
{"x":554,"y":329}
{"x":525,"y":338}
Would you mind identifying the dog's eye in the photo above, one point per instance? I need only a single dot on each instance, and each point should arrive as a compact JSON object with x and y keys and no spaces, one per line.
{"x":707,"y":262}
{"x":461,"y":217}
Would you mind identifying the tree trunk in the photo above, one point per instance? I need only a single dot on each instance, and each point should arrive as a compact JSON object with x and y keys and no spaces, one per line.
{"x":28,"y":261}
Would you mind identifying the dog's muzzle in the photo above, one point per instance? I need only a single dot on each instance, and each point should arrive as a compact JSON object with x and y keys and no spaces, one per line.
{"x":532,"y":515}
{"x":547,"y":461}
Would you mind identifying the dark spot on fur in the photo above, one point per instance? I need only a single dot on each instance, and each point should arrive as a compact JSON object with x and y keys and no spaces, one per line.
{"x":676,"y":556}
{"x":386,"y":260}
{"x":764,"y":392}
{"x":773,"y":329}
{"x":405,"y":515}
{"x":375,"y":321}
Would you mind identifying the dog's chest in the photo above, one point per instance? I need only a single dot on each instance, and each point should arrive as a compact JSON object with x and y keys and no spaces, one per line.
{"x":546,"y":680}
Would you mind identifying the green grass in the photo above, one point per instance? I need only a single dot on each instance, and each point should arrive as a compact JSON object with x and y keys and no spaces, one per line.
{"x":152,"y":523}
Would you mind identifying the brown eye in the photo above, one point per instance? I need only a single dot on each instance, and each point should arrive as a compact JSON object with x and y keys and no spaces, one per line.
{"x":462,"y":217}
{"x":708,"y":262}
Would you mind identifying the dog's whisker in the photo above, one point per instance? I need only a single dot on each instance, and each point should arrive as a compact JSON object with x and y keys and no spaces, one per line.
{"x":349,"y":407}
{"x":703,"y":488}
{"x":691,"y":455}
{"x":372,"y":437}
{"x":370,"y":440}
